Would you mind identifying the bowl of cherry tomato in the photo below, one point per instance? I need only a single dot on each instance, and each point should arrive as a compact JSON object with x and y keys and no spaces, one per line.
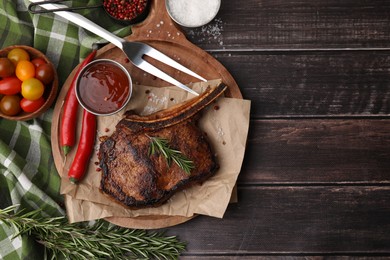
{"x":28,"y":83}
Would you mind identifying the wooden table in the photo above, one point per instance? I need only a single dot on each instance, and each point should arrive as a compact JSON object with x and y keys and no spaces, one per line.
{"x":316,"y":174}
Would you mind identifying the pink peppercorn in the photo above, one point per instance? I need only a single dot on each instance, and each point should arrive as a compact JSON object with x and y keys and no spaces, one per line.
{"x":125,"y":9}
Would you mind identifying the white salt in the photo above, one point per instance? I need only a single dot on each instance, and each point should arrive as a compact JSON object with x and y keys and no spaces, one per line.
{"x":193,"y":13}
{"x":210,"y":33}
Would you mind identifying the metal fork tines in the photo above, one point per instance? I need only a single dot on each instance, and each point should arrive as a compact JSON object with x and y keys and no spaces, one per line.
{"x":135,"y":51}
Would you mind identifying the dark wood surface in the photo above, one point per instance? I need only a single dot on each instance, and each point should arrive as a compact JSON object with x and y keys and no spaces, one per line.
{"x":316,"y":174}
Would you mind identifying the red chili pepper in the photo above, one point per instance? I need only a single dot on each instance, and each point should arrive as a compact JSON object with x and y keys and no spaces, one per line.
{"x":84,"y":149}
{"x":69,"y":115}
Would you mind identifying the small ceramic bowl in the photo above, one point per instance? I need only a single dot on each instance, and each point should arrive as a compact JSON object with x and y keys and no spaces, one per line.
{"x":104,"y":87}
{"x":193,"y":13}
{"x":114,"y":11}
{"x":50,"y":92}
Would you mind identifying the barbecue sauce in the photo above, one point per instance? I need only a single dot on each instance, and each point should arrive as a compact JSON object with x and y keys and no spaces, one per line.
{"x":105,"y":88}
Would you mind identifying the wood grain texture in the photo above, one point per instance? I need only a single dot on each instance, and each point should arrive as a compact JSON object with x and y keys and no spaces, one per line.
{"x":296,"y":24}
{"x":280,"y":257}
{"x":315,"y":180}
{"x":317,"y":151}
{"x":312,"y":83}
{"x":295,"y":220}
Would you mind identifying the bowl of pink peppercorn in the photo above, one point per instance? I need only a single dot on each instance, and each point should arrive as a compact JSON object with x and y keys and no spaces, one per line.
{"x":127,"y":11}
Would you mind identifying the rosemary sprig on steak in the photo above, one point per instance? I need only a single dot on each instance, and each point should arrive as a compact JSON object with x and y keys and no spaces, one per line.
{"x":161,"y":145}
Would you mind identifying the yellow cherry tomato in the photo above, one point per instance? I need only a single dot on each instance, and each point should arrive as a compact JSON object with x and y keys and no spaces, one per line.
{"x":32,"y":89}
{"x":18,"y":54}
{"x":25,"y":70}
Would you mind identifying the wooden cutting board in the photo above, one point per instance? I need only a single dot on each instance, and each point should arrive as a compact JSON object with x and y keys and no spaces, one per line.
{"x":159,"y":31}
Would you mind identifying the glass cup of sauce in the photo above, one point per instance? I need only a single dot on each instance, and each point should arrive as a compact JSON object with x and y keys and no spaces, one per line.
{"x":103,"y":87}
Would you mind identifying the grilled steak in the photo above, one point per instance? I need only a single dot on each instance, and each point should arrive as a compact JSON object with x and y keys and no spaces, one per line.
{"x":133,"y":177}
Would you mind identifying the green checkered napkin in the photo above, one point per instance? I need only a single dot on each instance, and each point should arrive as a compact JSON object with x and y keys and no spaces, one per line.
{"x":28,"y":176}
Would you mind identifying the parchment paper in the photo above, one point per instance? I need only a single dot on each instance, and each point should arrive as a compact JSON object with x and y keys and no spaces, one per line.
{"x":226,"y":123}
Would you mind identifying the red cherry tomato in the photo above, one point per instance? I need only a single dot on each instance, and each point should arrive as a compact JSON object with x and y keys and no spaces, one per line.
{"x":45,"y":73}
{"x":9,"y":105}
{"x":10,"y":86}
{"x":38,"y":62}
{"x":31,"y":105}
{"x":7,"y":68}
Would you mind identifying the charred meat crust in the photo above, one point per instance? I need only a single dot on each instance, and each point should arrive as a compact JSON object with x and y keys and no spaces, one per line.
{"x":172,"y":115}
{"x":136,"y":179}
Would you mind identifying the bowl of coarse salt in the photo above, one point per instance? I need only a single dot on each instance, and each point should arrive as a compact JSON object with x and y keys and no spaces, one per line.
{"x":192,"y":13}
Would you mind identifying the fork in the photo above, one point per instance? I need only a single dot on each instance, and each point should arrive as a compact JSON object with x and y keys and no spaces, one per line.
{"x":135,"y":51}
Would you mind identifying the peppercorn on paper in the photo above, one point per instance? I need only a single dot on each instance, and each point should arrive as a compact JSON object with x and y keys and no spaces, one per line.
{"x":226,"y":123}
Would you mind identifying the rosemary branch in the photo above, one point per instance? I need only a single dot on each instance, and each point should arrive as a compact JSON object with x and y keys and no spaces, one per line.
{"x":101,"y":240}
{"x":162,"y":145}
